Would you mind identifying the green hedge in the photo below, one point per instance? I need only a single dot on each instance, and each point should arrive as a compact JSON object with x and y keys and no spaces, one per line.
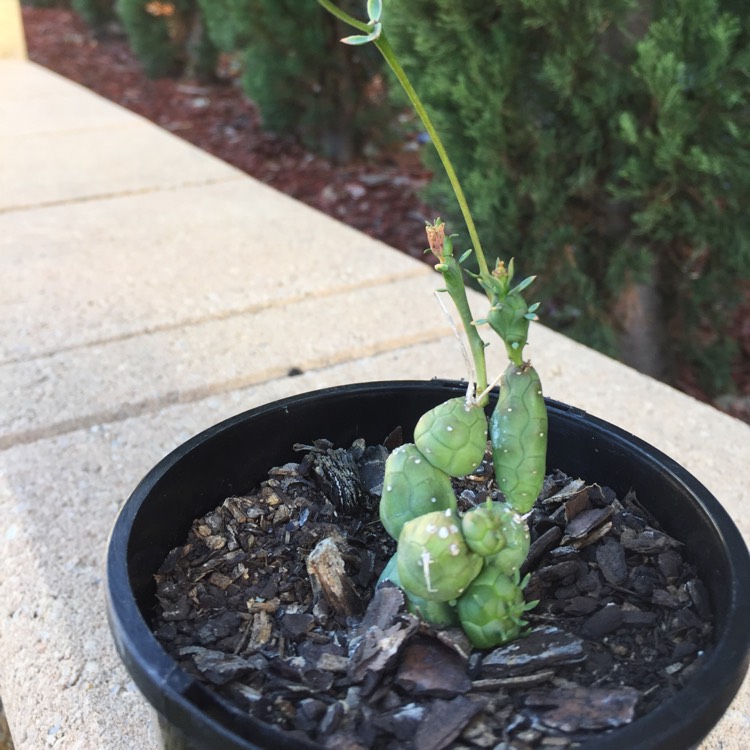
{"x":96,"y":13}
{"x":168,"y":37}
{"x":305,"y":82}
{"x":605,"y":144}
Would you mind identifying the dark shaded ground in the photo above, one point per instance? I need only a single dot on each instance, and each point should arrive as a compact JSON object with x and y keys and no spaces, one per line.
{"x":379,"y":197}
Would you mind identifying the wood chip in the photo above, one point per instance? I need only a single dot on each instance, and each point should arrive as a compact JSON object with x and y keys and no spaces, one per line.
{"x":604,"y":621}
{"x":584,"y":523}
{"x":610,"y":556}
{"x":573,"y":709}
{"x":327,"y":571}
{"x":542,"y":647}
{"x":429,"y":668}
{"x":444,"y":722}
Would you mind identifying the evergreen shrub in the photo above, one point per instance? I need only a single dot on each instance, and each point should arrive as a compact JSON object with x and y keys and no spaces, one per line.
{"x":607,"y":143}
{"x":304,"y":81}
{"x":96,"y":13}
{"x":167,"y":37}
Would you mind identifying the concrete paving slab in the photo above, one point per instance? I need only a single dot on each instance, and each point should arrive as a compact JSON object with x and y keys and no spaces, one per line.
{"x":101,"y":382}
{"x":34,"y":100}
{"x":22,"y":79}
{"x":58,"y":499}
{"x":79,"y":165}
{"x":82,"y":273}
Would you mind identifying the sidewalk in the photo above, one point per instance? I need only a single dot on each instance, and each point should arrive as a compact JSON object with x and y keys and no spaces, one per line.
{"x":148,"y":291}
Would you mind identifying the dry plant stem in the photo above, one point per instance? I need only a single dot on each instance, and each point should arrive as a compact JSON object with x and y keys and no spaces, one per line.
{"x":454,"y":285}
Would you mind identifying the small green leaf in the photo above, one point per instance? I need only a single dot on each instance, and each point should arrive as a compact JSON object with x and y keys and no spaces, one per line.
{"x":526,"y":282}
{"x":374,"y":9}
{"x":465,"y":255}
{"x":357,"y":40}
{"x":360,"y":39}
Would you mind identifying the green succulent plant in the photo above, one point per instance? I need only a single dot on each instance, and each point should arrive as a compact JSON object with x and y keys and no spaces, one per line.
{"x":434,"y":561}
{"x":492,"y":608}
{"x":451,"y":568}
{"x":496,"y":531}
{"x":518,"y":431}
{"x":453,"y":436}
{"x":412,"y":486}
{"x":439,"y":614}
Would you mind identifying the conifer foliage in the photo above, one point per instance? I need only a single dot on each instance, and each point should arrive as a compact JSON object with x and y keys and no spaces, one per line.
{"x":606,"y":144}
{"x":96,"y":13}
{"x":305,"y":82}
{"x":167,"y":36}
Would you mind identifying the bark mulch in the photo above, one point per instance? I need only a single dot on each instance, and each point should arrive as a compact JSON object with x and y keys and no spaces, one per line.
{"x":270,"y":602}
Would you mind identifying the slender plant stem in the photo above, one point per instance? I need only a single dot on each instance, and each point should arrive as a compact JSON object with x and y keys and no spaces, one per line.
{"x":390,"y":57}
{"x":457,"y":292}
{"x":455,"y":283}
{"x":343,"y":16}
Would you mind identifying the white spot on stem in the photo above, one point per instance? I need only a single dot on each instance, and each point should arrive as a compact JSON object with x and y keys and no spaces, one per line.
{"x":426,"y":562}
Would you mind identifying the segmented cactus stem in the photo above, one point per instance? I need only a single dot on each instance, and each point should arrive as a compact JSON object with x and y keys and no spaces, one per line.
{"x":412,"y":486}
{"x":492,"y":608}
{"x":453,"y":436}
{"x":434,"y":561}
{"x":518,"y":431}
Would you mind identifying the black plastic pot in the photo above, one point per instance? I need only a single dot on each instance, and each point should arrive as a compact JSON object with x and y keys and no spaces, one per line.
{"x":234,"y":456}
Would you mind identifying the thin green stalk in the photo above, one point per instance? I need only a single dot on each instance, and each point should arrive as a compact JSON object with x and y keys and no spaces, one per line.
{"x":451,"y":267}
{"x":390,"y":57}
{"x":343,"y":16}
{"x":457,"y":291}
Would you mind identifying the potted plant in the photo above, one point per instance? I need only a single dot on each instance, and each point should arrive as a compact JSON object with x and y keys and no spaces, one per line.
{"x":456,"y":578}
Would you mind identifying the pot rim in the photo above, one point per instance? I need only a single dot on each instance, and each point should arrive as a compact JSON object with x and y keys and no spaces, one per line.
{"x":174,"y":693}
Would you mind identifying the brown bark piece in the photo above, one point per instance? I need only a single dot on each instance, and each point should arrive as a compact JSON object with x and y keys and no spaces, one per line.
{"x":328,"y":577}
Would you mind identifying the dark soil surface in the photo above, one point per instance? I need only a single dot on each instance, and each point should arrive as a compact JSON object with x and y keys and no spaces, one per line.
{"x":379,"y":197}
{"x":621,"y":623}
